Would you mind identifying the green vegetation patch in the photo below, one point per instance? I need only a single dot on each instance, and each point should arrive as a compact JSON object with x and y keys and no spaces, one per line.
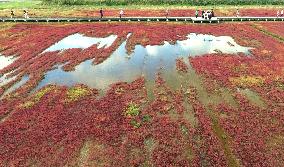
{"x":132,"y":110}
{"x":42,"y":92}
{"x":27,"y":104}
{"x":135,"y":123}
{"x":20,"y":4}
{"x":247,"y":81}
{"x":76,"y":93}
{"x":184,"y":130}
{"x":146,"y":118}
{"x":36,"y":98}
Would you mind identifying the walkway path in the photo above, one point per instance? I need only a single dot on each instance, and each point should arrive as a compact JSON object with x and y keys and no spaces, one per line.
{"x":147,"y":19}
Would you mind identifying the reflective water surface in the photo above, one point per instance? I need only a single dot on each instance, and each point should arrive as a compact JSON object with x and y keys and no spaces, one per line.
{"x":80,"y":41}
{"x":144,"y":61}
{"x":5,"y":61}
{"x":120,"y":66}
{"x":16,"y":85}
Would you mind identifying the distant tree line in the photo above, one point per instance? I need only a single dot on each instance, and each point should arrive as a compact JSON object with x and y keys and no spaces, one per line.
{"x":165,"y":2}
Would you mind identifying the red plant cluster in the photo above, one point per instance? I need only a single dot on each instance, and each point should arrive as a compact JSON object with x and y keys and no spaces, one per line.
{"x":55,"y":136}
{"x":52,"y":132}
{"x":272,"y":12}
{"x":276,"y":28}
{"x":265,"y":60}
{"x":181,"y":66}
{"x":211,"y":146}
{"x":257,"y":134}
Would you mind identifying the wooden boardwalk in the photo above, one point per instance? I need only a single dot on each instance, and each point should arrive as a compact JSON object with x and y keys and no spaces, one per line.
{"x":144,"y":19}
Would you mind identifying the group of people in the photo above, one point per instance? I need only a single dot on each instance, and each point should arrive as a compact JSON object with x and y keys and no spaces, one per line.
{"x":205,"y":14}
{"x":280,"y":13}
{"x":26,"y":16}
{"x":121,"y":13}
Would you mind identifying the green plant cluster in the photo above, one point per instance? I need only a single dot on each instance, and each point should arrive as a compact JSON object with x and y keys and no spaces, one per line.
{"x":133,"y":111}
{"x":75,"y":93}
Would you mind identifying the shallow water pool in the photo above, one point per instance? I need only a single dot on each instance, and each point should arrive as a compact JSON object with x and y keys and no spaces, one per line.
{"x":143,"y":61}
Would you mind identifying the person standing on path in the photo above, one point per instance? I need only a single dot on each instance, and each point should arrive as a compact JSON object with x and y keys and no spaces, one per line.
{"x":167,"y":13}
{"x":282,"y":13}
{"x":121,"y":13}
{"x":101,"y":13}
{"x":196,"y":13}
{"x":238,"y":13}
{"x":212,"y":13}
{"x":26,"y":16}
{"x":12,"y":14}
{"x":278,"y":13}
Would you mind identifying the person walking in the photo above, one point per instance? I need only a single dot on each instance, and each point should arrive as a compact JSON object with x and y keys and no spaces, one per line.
{"x":12,"y":14}
{"x":237,"y":13}
{"x":26,"y":16}
{"x":278,"y":13}
{"x":121,"y":13}
{"x":101,"y":13}
{"x":202,"y":13}
{"x":212,"y":13}
{"x":196,"y":13}
{"x":282,"y":13}
{"x":167,"y":13}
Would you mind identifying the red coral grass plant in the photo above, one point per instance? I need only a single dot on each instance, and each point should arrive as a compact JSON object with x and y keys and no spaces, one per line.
{"x":59,"y":126}
{"x":209,"y":146}
{"x":181,"y":66}
{"x":275,"y":28}
{"x":253,"y":130}
{"x":52,"y":132}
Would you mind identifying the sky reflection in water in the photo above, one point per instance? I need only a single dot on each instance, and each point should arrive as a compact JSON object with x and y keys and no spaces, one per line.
{"x":143,"y":61}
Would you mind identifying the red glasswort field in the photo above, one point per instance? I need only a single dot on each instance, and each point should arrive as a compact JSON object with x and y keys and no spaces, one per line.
{"x":226,"y":110}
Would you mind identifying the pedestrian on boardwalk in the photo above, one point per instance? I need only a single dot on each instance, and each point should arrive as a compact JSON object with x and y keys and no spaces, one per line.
{"x":101,"y":13}
{"x":278,"y":13}
{"x":196,"y":13}
{"x":238,"y":13}
{"x":121,"y":13}
{"x":12,"y":14}
{"x":202,"y":13}
{"x":167,"y":13}
{"x":282,"y":13}
{"x":212,"y":13}
{"x":26,"y":16}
